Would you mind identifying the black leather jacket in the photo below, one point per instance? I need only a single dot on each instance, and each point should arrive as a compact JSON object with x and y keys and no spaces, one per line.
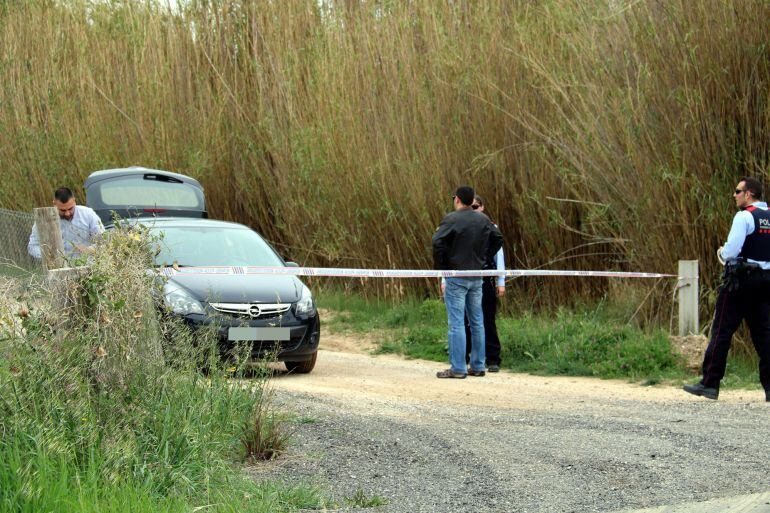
{"x":464,"y":241}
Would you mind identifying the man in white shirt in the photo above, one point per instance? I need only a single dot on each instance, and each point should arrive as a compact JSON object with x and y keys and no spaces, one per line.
{"x":79,"y":226}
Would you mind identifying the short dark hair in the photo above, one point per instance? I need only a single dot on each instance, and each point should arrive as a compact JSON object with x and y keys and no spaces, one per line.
{"x":466,"y":194}
{"x":62,"y":194}
{"x":753,"y":185}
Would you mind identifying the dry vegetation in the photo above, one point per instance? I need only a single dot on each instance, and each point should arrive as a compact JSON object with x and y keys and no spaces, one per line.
{"x":103,"y":406}
{"x":604,"y":134}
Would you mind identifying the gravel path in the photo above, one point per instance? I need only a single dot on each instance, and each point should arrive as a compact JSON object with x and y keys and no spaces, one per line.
{"x":387,"y":428}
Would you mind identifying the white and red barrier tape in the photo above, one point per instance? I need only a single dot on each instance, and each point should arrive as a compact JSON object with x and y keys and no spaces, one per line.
{"x":396,"y":273}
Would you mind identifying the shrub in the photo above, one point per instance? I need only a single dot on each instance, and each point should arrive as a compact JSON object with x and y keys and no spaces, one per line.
{"x":101,"y":398}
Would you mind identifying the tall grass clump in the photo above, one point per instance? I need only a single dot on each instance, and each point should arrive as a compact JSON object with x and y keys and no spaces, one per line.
{"x":103,"y":406}
{"x":604,"y":134}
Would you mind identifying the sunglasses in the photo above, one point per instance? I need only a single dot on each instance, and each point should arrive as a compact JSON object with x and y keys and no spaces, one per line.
{"x":475,"y":207}
{"x":738,"y":191}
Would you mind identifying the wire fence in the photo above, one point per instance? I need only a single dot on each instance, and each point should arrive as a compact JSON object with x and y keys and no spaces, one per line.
{"x":15,"y":228}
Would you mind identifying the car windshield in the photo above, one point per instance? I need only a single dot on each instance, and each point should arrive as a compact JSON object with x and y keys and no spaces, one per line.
{"x":213,"y":246}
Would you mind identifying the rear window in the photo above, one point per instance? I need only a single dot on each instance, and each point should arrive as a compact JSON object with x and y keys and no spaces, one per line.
{"x":132,"y":191}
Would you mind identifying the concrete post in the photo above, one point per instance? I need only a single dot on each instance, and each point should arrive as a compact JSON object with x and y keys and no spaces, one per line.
{"x":688,"y":297}
{"x":49,"y":235}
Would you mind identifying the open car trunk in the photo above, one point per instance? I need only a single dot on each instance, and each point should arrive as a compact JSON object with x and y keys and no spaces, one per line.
{"x":141,"y":192}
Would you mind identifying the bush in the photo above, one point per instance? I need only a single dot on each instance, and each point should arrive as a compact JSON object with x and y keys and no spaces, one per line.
{"x":103,"y":407}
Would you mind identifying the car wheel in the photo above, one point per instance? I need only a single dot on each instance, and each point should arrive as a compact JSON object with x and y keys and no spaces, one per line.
{"x":302,"y":367}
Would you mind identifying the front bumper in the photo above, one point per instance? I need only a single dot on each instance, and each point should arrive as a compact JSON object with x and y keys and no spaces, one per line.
{"x":302,"y":343}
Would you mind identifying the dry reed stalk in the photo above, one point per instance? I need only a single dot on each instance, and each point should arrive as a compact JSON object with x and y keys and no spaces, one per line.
{"x":341,"y":128}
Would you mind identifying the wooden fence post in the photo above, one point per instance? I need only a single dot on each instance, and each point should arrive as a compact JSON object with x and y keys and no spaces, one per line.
{"x":49,"y":236}
{"x":688,"y":297}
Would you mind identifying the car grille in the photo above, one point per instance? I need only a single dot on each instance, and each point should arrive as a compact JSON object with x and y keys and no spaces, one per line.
{"x":252,"y":310}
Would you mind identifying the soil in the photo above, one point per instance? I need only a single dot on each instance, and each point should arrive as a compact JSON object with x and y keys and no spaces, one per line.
{"x":383,"y":427}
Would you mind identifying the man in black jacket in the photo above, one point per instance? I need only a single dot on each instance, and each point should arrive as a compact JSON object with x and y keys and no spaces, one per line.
{"x":464,"y":241}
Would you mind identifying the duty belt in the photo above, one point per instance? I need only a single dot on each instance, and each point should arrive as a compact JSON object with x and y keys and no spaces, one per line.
{"x":737,"y":271}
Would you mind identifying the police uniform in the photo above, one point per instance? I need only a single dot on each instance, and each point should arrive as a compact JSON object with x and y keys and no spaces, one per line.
{"x":744,"y":294}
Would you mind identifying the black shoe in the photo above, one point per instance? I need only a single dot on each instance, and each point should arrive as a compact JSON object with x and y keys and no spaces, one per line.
{"x":479,"y":374}
{"x":767,"y":396}
{"x":703,"y":391}
{"x":493,"y":368}
{"x":449,"y":374}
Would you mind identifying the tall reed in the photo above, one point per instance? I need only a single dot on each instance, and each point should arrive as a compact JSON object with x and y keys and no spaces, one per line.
{"x":605,"y":134}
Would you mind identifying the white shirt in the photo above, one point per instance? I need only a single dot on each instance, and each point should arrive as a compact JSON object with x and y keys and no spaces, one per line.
{"x":743,"y":225}
{"x":81,"y":231}
{"x":500,"y":261}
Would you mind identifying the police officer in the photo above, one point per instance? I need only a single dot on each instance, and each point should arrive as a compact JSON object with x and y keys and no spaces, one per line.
{"x":745,"y":290}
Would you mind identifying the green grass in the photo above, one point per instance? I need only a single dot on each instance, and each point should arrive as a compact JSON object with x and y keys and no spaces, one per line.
{"x":44,"y":482}
{"x":169,"y":445}
{"x":106,"y":408}
{"x":585,"y":342}
{"x":360,"y":500}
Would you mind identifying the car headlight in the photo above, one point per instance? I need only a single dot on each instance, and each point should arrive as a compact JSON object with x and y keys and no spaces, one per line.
{"x":305,"y":305}
{"x":179,"y":300}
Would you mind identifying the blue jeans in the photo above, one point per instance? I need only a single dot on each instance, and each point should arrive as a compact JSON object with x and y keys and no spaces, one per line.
{"x":462,"y":296}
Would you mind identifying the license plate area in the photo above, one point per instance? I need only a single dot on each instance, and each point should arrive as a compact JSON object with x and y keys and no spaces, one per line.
{"x":245,"y":334}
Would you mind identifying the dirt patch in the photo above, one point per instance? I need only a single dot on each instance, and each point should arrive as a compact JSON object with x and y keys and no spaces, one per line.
{"x":348,"y":371}
{"x":354,"y":344}
{"x":691,"y":348}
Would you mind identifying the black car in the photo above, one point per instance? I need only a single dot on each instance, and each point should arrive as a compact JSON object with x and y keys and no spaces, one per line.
{"x":141,"y":192}
{"x":209,"y":283}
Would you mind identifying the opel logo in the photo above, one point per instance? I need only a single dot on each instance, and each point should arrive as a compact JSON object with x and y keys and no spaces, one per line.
{"x":254,"y":310}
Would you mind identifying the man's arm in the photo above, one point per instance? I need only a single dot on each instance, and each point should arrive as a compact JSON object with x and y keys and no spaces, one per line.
{"x":33,"y":247}
{"x":442,"y":241}
{"x":500,"y":264}
{"x":95,"y":226}
{"x":495,"y":241}
{"x":743,"y":225}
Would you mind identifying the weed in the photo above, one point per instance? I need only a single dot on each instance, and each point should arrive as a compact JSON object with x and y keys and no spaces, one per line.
{"x":360,"y":500}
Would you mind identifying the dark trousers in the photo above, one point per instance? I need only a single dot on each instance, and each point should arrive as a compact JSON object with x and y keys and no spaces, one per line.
{"x":489,"y":308}
{"x":751,"y":301}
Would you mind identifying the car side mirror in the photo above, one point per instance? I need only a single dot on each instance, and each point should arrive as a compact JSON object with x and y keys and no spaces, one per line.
{"x":292,"y":264}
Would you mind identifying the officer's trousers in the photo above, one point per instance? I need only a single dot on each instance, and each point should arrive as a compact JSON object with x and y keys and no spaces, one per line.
{"x":489,"y":308}
{"x":751,"y":301}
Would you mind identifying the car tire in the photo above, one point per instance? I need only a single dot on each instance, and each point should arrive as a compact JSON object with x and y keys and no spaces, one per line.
{"x":302,"y":367}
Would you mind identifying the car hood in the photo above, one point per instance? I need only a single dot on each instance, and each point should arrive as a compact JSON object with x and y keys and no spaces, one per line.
{"x":250,"y":288}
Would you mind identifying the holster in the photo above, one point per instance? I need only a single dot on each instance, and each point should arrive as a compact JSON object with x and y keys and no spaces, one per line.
{"x":737,"y":272}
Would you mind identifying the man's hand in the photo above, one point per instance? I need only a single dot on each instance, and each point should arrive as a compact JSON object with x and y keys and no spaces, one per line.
{"x":500,"y":291}
{"x":443,"y":288}
{"x":719,"y":255}
{"x":88,"y":250}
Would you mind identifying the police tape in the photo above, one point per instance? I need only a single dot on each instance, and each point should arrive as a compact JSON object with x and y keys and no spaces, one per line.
{"x":395,"y":273}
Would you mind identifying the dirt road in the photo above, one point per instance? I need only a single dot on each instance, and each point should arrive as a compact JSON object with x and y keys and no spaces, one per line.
{"x":347,"y":371}
{"x":386,"y":428}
